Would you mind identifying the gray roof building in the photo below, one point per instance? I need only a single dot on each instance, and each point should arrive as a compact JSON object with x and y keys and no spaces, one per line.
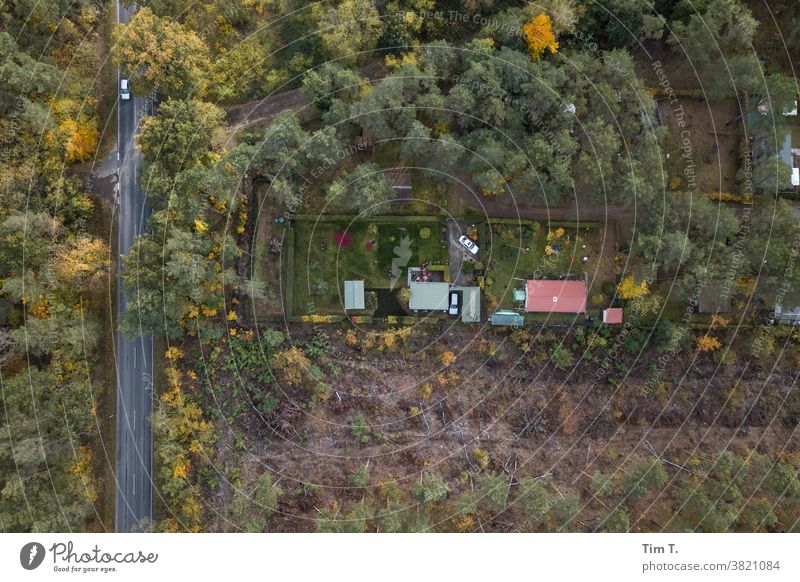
{"x":428,"y":296}
{"x":354,"y":295}
{"x":507,"y":317}
{"x":470,"y":304}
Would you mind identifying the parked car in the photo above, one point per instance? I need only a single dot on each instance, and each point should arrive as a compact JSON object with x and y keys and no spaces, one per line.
{"x":455,"y":303}
{"x":124,"y":90}
{"x":468,"y":244}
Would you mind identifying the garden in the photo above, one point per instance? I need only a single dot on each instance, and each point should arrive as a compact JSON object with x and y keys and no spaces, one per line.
{"x":517,"y":250}
{"x":330,"y":250}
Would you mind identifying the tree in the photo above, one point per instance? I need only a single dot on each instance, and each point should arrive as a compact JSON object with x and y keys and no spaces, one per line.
{"x":22,"y":75}
{"x":646,"y":475}
{"x":430,"y":489}
{"x":562,"y":358}
{"x":620,"y":23}
{"x":707,"y":343}
{"x":252,"y":510}
{"x":365,"y":189}
{"x":161,"y":54}
{"x":617,"y":521}
{"x":563,"y":14}
{"x":628,"y":289}
{"x":332,"y":521}
{"x":171,"y":281}
{"x":331,"y":81}
{"x":82,"y":264}
{"x":181,"y":437}
{"x":45,"y":475}
{"x":181,"y":135}
{"x":352,"y":27}
{"x":770,"y":175}
{"x":539,"y":36}
{"x":491,"y":490}
{"x":769,"y":249}
{"x":717,"y":44}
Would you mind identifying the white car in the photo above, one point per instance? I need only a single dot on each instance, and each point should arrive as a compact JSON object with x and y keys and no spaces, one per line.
{"x":468,"y":244}
{"x":455,"y":303}
{"x":124,"y":90}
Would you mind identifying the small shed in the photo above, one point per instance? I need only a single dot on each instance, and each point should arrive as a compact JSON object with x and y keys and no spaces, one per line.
{"x":714,"y":298}
{"x":354,"y":295}
{"x":519,"y":295}
{"x":507,"y":317}
{"x":470,"y":304}
{"x":612,"y":315}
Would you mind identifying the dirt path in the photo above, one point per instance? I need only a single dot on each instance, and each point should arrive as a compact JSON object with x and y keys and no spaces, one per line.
{"x":266,"y":109}
{"x":269,"y":107}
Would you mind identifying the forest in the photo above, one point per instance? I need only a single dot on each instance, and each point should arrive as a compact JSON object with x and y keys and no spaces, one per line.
{"x":670,"y":422}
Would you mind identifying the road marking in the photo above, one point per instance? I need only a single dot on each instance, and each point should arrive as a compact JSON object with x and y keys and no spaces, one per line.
{"x":134,"y":483}
{"x":134,"y":357}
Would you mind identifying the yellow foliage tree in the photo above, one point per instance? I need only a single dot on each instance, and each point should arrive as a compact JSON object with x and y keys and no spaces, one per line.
{"x":82,"y":263}
{"x":707,"y":343}
{"x":79,"y":139}
{"x":292,"y":364}
{"x":447,"y":358}
{"x":539,"y":36}
{"x":630,"y":289}
{"x":481,"y":457}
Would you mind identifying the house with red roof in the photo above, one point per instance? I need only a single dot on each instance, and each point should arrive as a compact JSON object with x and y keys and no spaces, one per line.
{"x":555,"y":296}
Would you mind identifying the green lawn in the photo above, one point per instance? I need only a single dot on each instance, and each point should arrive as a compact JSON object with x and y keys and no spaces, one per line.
{"x":327,"y":253}
{"x":517,"y":251}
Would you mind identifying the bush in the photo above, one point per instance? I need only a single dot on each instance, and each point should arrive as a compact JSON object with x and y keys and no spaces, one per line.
{"x":425,"y":233}
{"x":360,"y":428}
{"x":562,"y":358}
{"x":361,"y":477}
{"x":430,"y":489}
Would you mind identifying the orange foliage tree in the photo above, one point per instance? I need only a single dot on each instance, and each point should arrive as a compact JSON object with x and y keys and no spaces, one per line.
{"x":539,"y":36}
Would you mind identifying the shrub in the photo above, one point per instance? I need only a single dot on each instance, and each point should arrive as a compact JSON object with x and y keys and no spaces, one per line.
{"x":430,"y":489}
{"x":360,"y":428}
{"x":562,"y":358}
{"x":343,"y":239}
{"x":425,"y":233}
{"x":361,"y":476}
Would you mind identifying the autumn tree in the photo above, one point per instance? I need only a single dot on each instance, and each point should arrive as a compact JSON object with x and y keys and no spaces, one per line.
{"x":539,"y":36}
{"x":630,"y":289}
{"x":161,"y":54}
{"x":82,"y":264}
{"x":292,"y":364}
{"x":181,"y":438}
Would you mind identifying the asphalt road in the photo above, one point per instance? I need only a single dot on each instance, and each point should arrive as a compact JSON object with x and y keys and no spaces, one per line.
{"x":134,"y":356}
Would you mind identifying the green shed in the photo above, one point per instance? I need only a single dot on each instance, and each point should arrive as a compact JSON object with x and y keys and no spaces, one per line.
{"x":507,"y":317}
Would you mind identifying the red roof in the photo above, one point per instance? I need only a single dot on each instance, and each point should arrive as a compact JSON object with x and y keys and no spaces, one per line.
{"x":544,"y":296}
{"x":612,"y":315}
